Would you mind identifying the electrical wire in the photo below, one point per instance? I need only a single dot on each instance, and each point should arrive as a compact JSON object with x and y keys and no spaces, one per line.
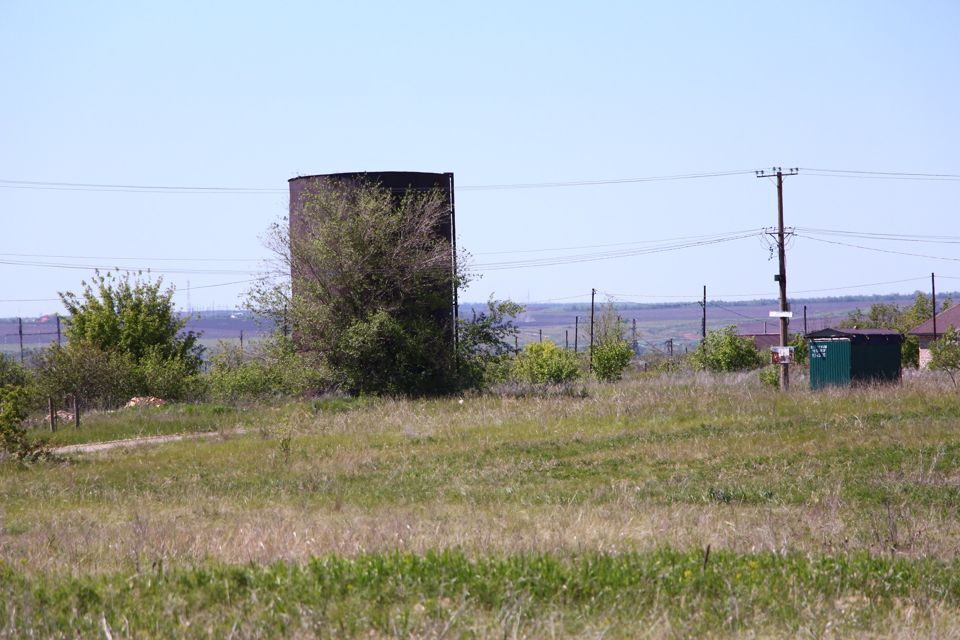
{"x":613,"y":244}
{"x":610,"y":255}
{"x":139,"y":188}
{"x":870,"y":235}
{"x":879,"y":250}
{"x":882,"y":175}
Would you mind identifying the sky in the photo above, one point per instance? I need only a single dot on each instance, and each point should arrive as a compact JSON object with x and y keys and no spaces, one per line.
{"x":235,"y":95}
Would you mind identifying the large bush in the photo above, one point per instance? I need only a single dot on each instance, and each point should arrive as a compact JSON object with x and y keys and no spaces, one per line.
{"x":724,"y":350}
{"x":546,"y":363}
{"x":124,"y":338}
{"x":370,"y":291}
{"x":610,"y":359}
{"x":98,"y":377}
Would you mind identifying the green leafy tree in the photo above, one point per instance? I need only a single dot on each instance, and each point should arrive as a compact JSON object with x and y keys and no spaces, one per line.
{"x":724,"y":350}
{"x":546,"y":363}
{"x":945,"y":354}
{"x":894,"y":317}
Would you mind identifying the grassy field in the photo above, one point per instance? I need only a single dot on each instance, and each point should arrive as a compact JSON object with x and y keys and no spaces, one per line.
{"x":507,"y":515}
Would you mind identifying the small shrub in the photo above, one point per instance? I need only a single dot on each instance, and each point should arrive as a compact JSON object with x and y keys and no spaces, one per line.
{"x":610,"y":359}
{"x":168,"y":378}
{"x":945,"y":354}
{"x":546,"y":363}
{"x":12,"y":373}
{"x":272,"y":368}
{"x":770,"y":376}
{"x":13,"y":411}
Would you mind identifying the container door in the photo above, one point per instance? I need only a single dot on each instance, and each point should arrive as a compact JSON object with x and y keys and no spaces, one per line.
{"x":829,"y":363}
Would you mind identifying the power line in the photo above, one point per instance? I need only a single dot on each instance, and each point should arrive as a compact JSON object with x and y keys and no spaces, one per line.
{"x":871,"y":235}
{"x":73,"y":257}
{"x":90,"y":267}
{"x":583,"y":183}
{"x":613,"y":244}
{"x":610,"y":255}
{"x":143,"y":188}
{"x":877,"y":249}
{"x":896,"y":175}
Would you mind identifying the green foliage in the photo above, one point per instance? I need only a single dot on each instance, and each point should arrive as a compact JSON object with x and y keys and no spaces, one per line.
{"x":132,"y":317}
{"x":897,"y":318}
{"x":724,"y":350}
{"x":452,"y":592}
{"x":167,"y":377}
{"x":801,"y":352}
{"x":124,"y":338}
{"x":372,"y":284}
{"x":13,"y":411}
{"x":484,"y":352}
{"x":99,"y":377}
{"x":270,"y":368}
{"x":945,"y":354}
{"x":546,"y":363}
{"x":12,"y":372}
{"x":610,"y":358}
{"x":611,"y":352}
{"x":770,"y":376}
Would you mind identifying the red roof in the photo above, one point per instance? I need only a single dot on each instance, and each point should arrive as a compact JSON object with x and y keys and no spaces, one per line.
{"x":945,"y":319}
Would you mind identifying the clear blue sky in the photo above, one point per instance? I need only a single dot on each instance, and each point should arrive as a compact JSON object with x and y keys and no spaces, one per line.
{"x":233,"y":94}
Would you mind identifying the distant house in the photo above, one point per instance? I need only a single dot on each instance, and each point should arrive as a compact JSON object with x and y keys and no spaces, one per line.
{"x":924,"y":332}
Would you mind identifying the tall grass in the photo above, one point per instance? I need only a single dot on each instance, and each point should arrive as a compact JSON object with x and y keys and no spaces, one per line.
{"x":840,"y":483}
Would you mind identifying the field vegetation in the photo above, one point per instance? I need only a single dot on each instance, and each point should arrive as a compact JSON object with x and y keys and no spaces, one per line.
{"x":664,"y":505}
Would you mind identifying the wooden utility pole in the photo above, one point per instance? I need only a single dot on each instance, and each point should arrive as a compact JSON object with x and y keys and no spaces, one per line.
{"x":933,"y":294}
{"x":782,"y":276}
{"x":703,"y":321}
{"x":20,"y":331}
{"x":576,"y":333}
{"x":593,"y":294}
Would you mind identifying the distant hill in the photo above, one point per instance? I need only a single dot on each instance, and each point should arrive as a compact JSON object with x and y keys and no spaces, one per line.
{"x":656,"y":323}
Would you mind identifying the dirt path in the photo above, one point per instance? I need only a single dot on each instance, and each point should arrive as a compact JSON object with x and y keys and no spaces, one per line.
{"x":93,"y":447}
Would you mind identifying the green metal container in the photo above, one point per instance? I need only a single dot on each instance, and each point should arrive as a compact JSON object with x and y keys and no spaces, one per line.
{"x":853,"y":356}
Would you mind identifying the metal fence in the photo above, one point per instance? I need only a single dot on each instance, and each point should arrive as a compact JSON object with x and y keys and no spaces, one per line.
{"x":20,"y":337}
